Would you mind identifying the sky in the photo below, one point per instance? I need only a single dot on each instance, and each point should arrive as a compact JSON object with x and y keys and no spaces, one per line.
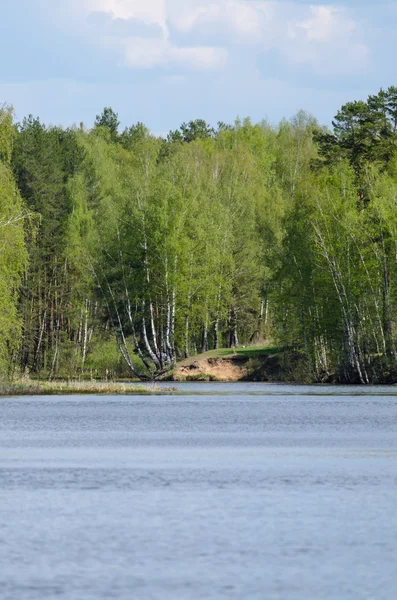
{"x":163,"y":62}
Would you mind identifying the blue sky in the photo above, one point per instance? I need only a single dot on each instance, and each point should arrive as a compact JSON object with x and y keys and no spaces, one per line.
{"x":167,"y":61}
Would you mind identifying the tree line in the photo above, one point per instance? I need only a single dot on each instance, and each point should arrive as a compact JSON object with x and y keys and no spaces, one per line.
{"x":162,"y":248}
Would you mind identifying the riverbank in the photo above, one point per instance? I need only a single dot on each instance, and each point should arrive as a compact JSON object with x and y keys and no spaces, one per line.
{"x":265,"y":363}
{"x":49,"y":388}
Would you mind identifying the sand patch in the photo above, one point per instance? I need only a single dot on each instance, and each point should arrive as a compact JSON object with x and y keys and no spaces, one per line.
{"x":222,"y":369}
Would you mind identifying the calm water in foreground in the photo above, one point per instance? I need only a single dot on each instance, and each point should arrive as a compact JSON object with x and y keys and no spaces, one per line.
{"x":247,"y":491}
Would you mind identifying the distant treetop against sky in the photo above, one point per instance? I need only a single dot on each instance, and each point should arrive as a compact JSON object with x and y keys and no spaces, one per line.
{"x":166,"y":61}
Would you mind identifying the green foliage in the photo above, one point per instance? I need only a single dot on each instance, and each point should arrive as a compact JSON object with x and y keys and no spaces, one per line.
{"x":13,"y":255}
{"x":194,"y":130}
{"x":105,"y":361}
{"x":44,"y":160}
{"x":133,"y":135}
{"x":143,"y":251}
{"x":364,"y":132}
{"x":108,"y":121}
{"x":7,"y":133}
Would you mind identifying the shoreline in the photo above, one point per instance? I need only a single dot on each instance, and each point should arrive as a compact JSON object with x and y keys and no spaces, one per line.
{"x":54,"y":388}
{"x":63,"y":388}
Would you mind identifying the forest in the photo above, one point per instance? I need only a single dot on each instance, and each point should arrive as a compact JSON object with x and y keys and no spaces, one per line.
{"x":122,"y":252}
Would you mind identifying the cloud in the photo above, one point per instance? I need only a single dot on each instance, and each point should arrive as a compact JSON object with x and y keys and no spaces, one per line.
{"x":205,"y":34}
{"x":323,"y":24}
{"x":327,"y":39}
{"x":249,"y":20}
{"x":106,"y":25}
{"x":211,"y":59}
{"x":137,"y":31}
{"x":147,"y":11}
{"x":324,"y":38}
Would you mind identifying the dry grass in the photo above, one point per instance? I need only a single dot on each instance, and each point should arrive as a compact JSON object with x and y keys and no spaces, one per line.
{"x":38,"y":388}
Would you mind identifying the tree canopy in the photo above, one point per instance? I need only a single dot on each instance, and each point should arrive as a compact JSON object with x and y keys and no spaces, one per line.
{"x":209,"y":237}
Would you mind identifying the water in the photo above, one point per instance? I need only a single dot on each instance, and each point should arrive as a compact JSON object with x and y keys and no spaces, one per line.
{"x":220,"y":491}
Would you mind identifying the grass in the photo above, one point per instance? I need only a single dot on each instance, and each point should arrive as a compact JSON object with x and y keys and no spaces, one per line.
{"x":39,"y":388}
{"x":266,"y":348}
{"x":201,"y":377}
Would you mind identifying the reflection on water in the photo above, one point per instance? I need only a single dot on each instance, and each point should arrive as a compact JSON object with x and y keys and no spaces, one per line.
{"x":217,"y":491}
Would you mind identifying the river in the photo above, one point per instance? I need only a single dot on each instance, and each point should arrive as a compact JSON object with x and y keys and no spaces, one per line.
{"x":218,"y":491}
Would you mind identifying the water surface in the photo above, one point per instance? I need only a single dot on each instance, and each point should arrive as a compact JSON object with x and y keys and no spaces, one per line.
{"x":248,"y":491}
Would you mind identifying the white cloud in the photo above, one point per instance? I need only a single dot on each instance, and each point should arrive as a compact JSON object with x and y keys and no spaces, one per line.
{"x":322,"y":38}
{"x":148,"y":11}
{"x":327,"y":39}
{"x":141,"y":52}
{"x":246,"y":19}
{"x":323,"y":24}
